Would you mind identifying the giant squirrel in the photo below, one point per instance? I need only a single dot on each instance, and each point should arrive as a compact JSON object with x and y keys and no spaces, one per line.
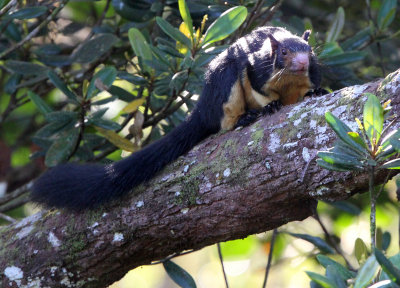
{"x":268,"y":68}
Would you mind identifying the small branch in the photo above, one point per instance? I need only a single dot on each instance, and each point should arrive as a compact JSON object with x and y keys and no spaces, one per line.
{"x":7,"y":218}
{"x":271,"y":250}
{"x":35,"y":31}
{"x":222,"y":264}
{"x":372,"y":197}
{"x":16,"y":193}
{"x":7,"y":7}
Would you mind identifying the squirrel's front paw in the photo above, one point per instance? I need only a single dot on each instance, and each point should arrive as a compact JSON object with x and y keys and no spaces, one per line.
{"x":272,"y":107}
{"x":247,"y":118}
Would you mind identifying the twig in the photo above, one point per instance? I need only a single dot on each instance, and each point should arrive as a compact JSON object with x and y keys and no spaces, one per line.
{"x":271,"y":250}
{"x":271,"y":9}
{"x":172,"y":256}
{"x":7,"y":218}
{"x":372,"y":216}
{"x":7,"y":7}
{"x":16,"y":193}
{"x":35,"y":31}
{"x":331,"y":240}
{"x":222,"y":264}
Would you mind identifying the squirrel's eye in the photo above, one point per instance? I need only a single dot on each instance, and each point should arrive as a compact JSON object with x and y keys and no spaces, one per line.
{"x":283,"y":51}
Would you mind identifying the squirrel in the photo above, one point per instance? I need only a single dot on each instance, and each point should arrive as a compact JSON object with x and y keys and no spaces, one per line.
{"x":257,"y":74}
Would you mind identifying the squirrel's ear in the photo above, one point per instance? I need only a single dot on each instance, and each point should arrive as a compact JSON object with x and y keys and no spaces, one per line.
{"x":306,"y":34}
{"x":274,"y":43}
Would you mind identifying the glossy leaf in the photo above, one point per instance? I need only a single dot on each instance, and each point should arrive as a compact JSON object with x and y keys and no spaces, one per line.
{"x":28,"y":13}
{"x":117,"y":140}
{"x":387,"y":266}
{"x":25,"y":68}
{"x":334,"y":167}
{"x":139,"y":44}
{"x":341,"y":129}
{"x":121,"y":93}
{"x":103,"y":123}
{"x":373,"y":118}
{"x":392,"y":136}
{"x":392,"y":164}
{"x":40,"y":104}
{"x":62,"y":147}
{"x":102,"y":80}
{"x":185,"y":14}
{"x":225,"y":25}
{"x":358,"y":139}
{"x":340,"y":159}
{"x":321,"y":280}
{"x":173,"y":32}
{"x":61,"y":116}
{"x":133,"y":106}
{"x":386,"y":13}
{"x":179,"y":275}
{"x":94,"y":48}
{"x":360,"y":39}
{"x":336,"y":26}
{"x":317,"y":241}
{"x":330,"y":49}
{"x":62,"y":86}
{"x":366,"y":273}
{"x":343,"y":272}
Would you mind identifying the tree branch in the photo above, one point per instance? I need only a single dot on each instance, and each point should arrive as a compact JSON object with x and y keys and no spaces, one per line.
{"x":231,"y":185}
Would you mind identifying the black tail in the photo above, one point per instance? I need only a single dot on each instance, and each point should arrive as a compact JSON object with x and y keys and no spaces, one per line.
{"x":76,"y":187}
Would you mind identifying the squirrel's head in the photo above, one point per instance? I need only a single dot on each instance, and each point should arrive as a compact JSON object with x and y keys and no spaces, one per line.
{"x":291,"y":55}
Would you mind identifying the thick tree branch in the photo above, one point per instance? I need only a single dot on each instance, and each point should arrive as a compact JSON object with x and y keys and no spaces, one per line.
{"x":231,"y":185}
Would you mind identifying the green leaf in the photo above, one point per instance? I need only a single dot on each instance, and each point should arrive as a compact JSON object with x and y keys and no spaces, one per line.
{"x":40,"y":104}
{"x":61,"y":116}
{"x":333,"y":275}
{"x":393,"y":135}
{"x":357,"y":138}
{"x":386,"y":238}
{"x":341,"y":129}
{"x":121,"y":93}
{"x":386,"y":13}
{"x":367,"y":273}
{"x":173,"y":32}
{"x":102,"y":80}
{"x":139,"y":44}
{"x":330,"y":49}
{"x":360,"y":39}
{"x":25,"y":68}
{"x":103,"y":123}
{"x":27,"y":13}
{"x":336,"y":26}
{"x":62,"y":147}
{"x":179,"y":275}
{"x":53,"y":128}
{"x":185,"y":14}
{"x":317,"y":241}
{"x":334,"y":167}
{"x":94,"y":48}
{"x":360,"y":250}
{"x":373,"y":118}
{"x":340,"y":159}
{"x":392,"y":164}
{"x":225,"y":25}
{"x":321,"y":280}
{"x":346,"y":206}
{"x":387,"y":266}
{"x":342,"y":271}
{"x":343,"y":58}
{"x":62,"y":86}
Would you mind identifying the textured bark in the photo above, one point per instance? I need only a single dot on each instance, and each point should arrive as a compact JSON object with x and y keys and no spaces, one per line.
{"x":231,"y":185}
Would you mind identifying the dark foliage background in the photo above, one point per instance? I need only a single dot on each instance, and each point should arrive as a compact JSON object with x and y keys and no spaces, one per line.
{"x":77,"y":83}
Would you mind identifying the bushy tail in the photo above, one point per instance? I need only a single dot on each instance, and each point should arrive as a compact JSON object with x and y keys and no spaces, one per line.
{"x":77,"y":187}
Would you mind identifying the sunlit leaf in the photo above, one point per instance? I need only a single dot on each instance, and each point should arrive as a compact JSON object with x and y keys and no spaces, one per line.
{"x":179,"y":275}
{"x":133,"y":105}
{"x":102,"y":80}
{"x":225,"y":25}
{"x":366,"y":273}
{"x":140,"y":45}
{"x":333,"y":275}
{"x":373,"y":118}
{"x":185,"y":14}
{"x":340,"y":159}
{"x":321,"y":280}
{"x":360,"y":250}
{"x":117,"y":140}
{"x":392,"y":164}
{"x":334,"y":167}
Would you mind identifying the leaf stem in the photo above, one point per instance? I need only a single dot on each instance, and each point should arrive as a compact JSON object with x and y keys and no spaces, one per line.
{"x":222,"y":264}
{"x":271,"y":250}
{"x":372,"y":217}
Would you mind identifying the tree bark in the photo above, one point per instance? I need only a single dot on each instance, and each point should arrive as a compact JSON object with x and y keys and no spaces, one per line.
{"x":231,"y":185}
